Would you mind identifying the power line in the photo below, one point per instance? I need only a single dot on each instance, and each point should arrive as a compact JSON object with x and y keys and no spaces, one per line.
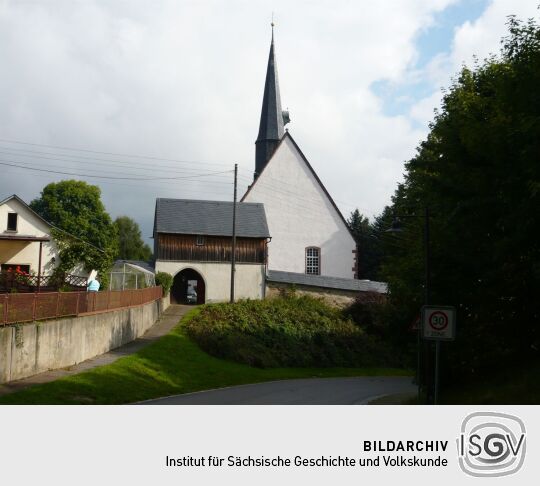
{"x":10,"y":164}
{"x":102,"y":171}
{"x":148,"y":157}
{"x":160,"y":185}
{"x":95,"y":160}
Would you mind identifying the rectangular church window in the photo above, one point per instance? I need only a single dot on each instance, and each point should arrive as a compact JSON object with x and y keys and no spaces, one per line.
{"x":200,"y":240}
{"x":313,"y":261}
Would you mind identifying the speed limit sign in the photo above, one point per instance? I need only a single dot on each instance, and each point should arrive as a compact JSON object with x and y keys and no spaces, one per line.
{"x":439,"y":322}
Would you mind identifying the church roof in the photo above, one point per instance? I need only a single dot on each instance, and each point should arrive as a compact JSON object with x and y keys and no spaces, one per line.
{"x":271,"y":124}
{"x":212,"y":218}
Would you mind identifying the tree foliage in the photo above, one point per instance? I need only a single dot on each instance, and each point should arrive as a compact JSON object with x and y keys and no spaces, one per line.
{"x":367,"y":236}
{"x":83,"y":230}
{"x":130,"y":243}
{"x":479,"y":173}
{"x":166,"y":281}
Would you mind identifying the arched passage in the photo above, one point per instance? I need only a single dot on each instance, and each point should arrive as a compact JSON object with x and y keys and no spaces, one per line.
{"x":188,"y":288}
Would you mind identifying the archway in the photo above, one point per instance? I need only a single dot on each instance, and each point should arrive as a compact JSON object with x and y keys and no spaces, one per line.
{"x":188,"y":288}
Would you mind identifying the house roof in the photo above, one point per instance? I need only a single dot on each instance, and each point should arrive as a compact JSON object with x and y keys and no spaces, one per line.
{"x":17,"y":198}
{"x":289,"y":136}
{"x":212,"y":218}
{"x":326,"y":282}
{"x":24,"y":238}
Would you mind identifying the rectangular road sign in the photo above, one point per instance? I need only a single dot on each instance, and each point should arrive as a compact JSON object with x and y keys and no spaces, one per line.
{"x":439,"y":322}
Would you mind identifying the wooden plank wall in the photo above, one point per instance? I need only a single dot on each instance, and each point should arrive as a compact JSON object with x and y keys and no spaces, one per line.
{"x":215,"y":249}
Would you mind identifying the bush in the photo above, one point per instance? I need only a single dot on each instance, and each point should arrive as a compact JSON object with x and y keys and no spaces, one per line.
{"x":285,"y":332}
{"x":367,"y":311}
{"x":165,"y":280}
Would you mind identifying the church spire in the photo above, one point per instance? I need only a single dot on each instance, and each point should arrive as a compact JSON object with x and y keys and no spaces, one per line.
{"x":271,"y":124}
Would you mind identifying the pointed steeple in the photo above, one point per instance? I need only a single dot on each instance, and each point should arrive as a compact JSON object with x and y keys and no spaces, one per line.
{"x":271,"y":125}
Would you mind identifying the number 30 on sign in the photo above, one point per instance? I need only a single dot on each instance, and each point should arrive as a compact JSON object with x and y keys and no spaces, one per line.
{"x":439,"y":322}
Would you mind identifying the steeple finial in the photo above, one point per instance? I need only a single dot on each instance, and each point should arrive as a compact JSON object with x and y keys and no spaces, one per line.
{"x":271,"y":127}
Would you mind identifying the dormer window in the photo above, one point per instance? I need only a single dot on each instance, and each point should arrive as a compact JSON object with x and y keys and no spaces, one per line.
{"x":12,"y":221}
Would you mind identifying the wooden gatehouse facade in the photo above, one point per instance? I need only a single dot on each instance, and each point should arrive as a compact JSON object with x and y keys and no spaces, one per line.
{"x":208,"y":248}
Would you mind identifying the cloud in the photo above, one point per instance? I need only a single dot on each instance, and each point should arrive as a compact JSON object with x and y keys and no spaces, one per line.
{"x":184,"y":80}
{"x":473,"y":40}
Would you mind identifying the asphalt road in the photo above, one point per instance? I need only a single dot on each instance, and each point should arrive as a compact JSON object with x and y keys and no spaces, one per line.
{"x":314,"y":391}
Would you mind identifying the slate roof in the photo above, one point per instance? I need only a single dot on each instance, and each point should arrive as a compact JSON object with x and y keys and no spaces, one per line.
{"x":326,"y":282}
{"x":213,"y":218}
{"x":271,"y":124}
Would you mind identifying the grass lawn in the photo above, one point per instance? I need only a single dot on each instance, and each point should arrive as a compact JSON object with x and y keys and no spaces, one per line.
{"x":171,"y":365}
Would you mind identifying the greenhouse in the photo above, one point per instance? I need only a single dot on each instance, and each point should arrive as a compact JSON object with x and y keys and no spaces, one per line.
{"x":127,"y":274}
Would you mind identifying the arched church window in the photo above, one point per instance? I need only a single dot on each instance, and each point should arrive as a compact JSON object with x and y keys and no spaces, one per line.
{"x":313,"y":260}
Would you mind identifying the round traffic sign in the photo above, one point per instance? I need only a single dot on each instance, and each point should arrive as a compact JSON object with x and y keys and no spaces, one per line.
{"x":438,"y":321}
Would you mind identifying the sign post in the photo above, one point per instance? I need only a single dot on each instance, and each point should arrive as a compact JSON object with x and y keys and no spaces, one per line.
{"x":438,"y":324}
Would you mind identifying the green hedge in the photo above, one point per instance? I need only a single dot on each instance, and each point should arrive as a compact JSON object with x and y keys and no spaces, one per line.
{"x":285,"y":332}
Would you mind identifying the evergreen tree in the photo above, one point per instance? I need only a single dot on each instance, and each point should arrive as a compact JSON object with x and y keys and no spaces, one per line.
{"x":130,"y":243}
{"x":479,"y":173}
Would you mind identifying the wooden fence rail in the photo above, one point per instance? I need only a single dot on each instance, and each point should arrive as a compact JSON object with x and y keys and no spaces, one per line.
{"x":16,"y":308}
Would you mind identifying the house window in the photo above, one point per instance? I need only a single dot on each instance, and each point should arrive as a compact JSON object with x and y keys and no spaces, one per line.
{"x":200,"y":240}
{"x":12,"y":221}
{"x":313,"y":261}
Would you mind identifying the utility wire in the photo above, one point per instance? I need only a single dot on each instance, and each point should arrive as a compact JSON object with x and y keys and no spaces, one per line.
{"x":10,"y":164}
{"x":148,"y":157}
{"x":70,"y":158}
{"x":124,"y":172}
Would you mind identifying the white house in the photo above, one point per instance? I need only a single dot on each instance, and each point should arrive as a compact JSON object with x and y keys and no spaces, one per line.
{"x":25,"y":239}
{"x":309,"y":234}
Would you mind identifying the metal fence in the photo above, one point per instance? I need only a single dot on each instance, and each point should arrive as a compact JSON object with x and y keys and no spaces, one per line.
{"x":16,"y":308}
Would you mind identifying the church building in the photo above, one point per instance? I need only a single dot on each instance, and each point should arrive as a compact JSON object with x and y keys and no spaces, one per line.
{"x":309,"y":234}
{"x":289,"y":230}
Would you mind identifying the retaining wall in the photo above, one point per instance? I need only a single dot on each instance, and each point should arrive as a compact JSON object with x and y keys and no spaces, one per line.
{"x":28,"y":349}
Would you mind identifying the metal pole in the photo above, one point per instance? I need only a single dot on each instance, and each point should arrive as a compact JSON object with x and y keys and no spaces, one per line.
{"x":427,"y":295}
{"x":427,"y":300}
{"x":437,"y":354}
{"x":39,"y":266}
{"x":233,"y":255}
{"x":423,"y":353}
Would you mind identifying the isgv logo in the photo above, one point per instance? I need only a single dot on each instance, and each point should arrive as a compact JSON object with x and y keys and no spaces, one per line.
{"x":491,"y":444}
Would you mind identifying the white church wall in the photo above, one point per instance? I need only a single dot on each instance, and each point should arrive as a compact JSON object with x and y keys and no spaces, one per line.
{"x":249,"y":280}
{"x":300,"y":215}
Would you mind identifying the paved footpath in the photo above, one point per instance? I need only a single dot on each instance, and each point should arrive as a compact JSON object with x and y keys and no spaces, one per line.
{"x":165,"y":323}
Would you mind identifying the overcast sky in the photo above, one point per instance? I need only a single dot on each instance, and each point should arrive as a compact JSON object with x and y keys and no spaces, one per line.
{"x":183,"y":80}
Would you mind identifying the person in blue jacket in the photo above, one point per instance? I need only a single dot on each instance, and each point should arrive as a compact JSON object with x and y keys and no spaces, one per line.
{"x":93,"y":286}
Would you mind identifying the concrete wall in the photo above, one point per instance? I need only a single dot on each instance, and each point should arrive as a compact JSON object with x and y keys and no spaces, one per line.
{"x":249,"y":281}
{"x":28,"y":349}
{"x":300,"y":215}
{"x":26,"y":252}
